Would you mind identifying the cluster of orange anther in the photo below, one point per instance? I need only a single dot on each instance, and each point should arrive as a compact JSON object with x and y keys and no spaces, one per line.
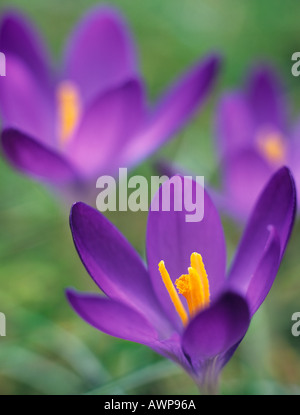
{"x":193,"y":286}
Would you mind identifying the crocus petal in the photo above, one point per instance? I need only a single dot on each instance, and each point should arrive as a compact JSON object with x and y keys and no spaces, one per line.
{"x":175,"y":109}
{"x":31,"y":157}
{"x":294,"y":157}
{"x":18,"y":38}
{"x":226,"y":204}
{"x":220,"y":198}
{"x":23,"y":103}
{"x":100,"y":54}
{"x":216,"y":329}
{"x":266,"y":99}
{"x":112,"y":317}
{"x":265,"y":273}
{"x":106,"y":125}
{"x":275,"y":207}
{"x":244,"y":175}
{"x":172,"y":239}
{"x":234,"y":124}
{"x":112,"y":262}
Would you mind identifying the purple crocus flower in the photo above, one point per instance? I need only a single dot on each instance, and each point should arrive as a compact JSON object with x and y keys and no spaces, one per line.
{"x":93,"y":117}
{"x":254,"y":139}
{"x":201,"y":325}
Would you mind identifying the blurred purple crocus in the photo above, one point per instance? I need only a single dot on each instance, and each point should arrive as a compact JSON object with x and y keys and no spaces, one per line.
{"x":200,"y":325}
{"x":92,"y":117}
{"x":254,"y":139}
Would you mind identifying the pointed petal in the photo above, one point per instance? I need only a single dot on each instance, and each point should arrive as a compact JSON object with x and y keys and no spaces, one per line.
{"x":24,"y":104}
{"x":112,"y":262}
{"x":266,"y":98}
{"x":172,"y":239}
{"x":105,"y":128}
{"x":175,"y":109}
{"x":31,"y":50}
{"x":100,"y":54}
{"x":112,"y":317}
{"x":216,"y":329}
{"x":275,"y":207}
{"x":32,"y":158}
{"x":234,"y":124}
{"x":265,"y":273}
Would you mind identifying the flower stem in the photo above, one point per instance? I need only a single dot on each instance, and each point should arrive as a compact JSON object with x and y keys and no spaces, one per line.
{"x":208,"y":382}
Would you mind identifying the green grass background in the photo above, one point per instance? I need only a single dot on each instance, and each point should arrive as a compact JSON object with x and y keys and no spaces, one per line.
{"x":48,"y":349}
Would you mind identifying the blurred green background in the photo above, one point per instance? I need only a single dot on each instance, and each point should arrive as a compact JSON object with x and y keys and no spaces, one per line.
{"x":48,"y":349}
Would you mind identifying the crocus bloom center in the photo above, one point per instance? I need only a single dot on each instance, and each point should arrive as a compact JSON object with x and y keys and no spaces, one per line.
{"x":272,"y":146}
{"x":194,"y":286}
{"x":68,"y":109}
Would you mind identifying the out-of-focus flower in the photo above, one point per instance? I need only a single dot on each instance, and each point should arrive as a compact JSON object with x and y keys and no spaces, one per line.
{"x":92,"y":117}
{"x":200,"y":325}
{"x":254,"y":139}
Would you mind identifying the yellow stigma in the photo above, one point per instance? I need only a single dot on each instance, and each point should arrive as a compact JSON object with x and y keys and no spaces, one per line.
{"x":172,"y":292}
{"x":68,"y":109}
{"x":272,"y":146}
{"x":193,"y":286}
